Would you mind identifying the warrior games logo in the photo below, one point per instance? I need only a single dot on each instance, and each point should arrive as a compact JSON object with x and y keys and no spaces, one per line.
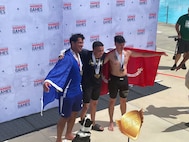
{"x":140,"y":31}
{"x":94,"y":38}
{"x":131,"y":18}
{"x":152,"y":16}
{"x":4,"y":51}
{"x":52,"y":62}
{"x":53,"y":26}
{"x":24,"y":103}
{"x":19,"y":29}
{"x":80,"y":23}
{"x":36,"y":8}
{"x":37,"y":46}
{"x":2,"y":10}
{"x":107,"y":20}
{"x":120,"y":3}
{"x":150,"y":44}
{"x":66,"y":42}
{"x":67,"y":6}
{"x":5,"y":90}
{"x":141,"y":2}
{"x":21,"y":68}
{"x":119,"y":33}
{"x":38,"y":82}
{"x":95,"y":4}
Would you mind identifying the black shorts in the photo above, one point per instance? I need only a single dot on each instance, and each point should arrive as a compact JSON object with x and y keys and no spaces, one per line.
{"x":118,"y":84}
{"x":183,"y":46}
{"x":91,"y":93}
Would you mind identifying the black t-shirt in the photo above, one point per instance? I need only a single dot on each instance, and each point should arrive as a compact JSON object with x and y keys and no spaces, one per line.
{"x":88,"y":77}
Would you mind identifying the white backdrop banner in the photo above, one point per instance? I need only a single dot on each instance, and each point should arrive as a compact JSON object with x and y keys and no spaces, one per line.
{"x":33,"y":32}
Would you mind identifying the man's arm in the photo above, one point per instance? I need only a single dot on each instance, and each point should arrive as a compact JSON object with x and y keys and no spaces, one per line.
{"x":46,"y":86}
{"x":177,"y":28}
{"x":106,"y":59}
{"x":61,"y":55}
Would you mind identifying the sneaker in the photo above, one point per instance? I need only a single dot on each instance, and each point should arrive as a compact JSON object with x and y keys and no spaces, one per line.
{"x":174,"y":67}
{"x":184,"y":67}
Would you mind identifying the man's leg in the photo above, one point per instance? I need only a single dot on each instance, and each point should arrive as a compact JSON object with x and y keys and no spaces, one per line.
{"x":183,"y":65}
{"x":60,"y":128}
{"x":177,"y":57}
{"x":86,"y":101}
{"x":111,"y":112}
{"x":93,"y":105}
{"x":123,"y":105}
{"x":84,"y":110}
{"x":185,"y":58}
{"x":70,"y":124}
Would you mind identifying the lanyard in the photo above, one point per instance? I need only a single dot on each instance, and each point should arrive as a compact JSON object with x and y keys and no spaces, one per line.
{"x":97,"y":64}
{"x":120,"y":59}
{"x":78,"y":59}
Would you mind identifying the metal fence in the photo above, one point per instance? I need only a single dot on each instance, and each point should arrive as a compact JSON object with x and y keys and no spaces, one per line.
{"x":169,"y":11}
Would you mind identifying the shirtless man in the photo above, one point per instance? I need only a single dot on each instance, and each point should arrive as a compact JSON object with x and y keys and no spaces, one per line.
{"x":118,"y":81}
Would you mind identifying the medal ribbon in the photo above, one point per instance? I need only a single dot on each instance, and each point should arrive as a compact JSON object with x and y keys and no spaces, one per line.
{"x":97,"y":64}
{"x":78,"y":59}
{"x":120,"y":59}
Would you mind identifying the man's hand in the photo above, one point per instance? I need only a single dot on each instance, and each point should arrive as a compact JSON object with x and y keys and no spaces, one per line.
{"x":46,"y":86}
{"x":164,"y":54}
{"x":61,"y":55}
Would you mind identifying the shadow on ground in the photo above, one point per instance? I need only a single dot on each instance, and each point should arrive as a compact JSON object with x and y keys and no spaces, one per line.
{"x":166,"y":112}
{"x":164,"y":67}
{"x":169,"y":112}
{"x":176,"y":127}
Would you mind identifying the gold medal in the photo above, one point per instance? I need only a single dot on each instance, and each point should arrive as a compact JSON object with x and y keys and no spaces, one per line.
{"x":122,"y":69}
{"x":97,"y":76}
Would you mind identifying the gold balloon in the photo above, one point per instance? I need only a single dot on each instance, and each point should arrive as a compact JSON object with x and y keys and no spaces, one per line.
{"x":131,"y":123}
